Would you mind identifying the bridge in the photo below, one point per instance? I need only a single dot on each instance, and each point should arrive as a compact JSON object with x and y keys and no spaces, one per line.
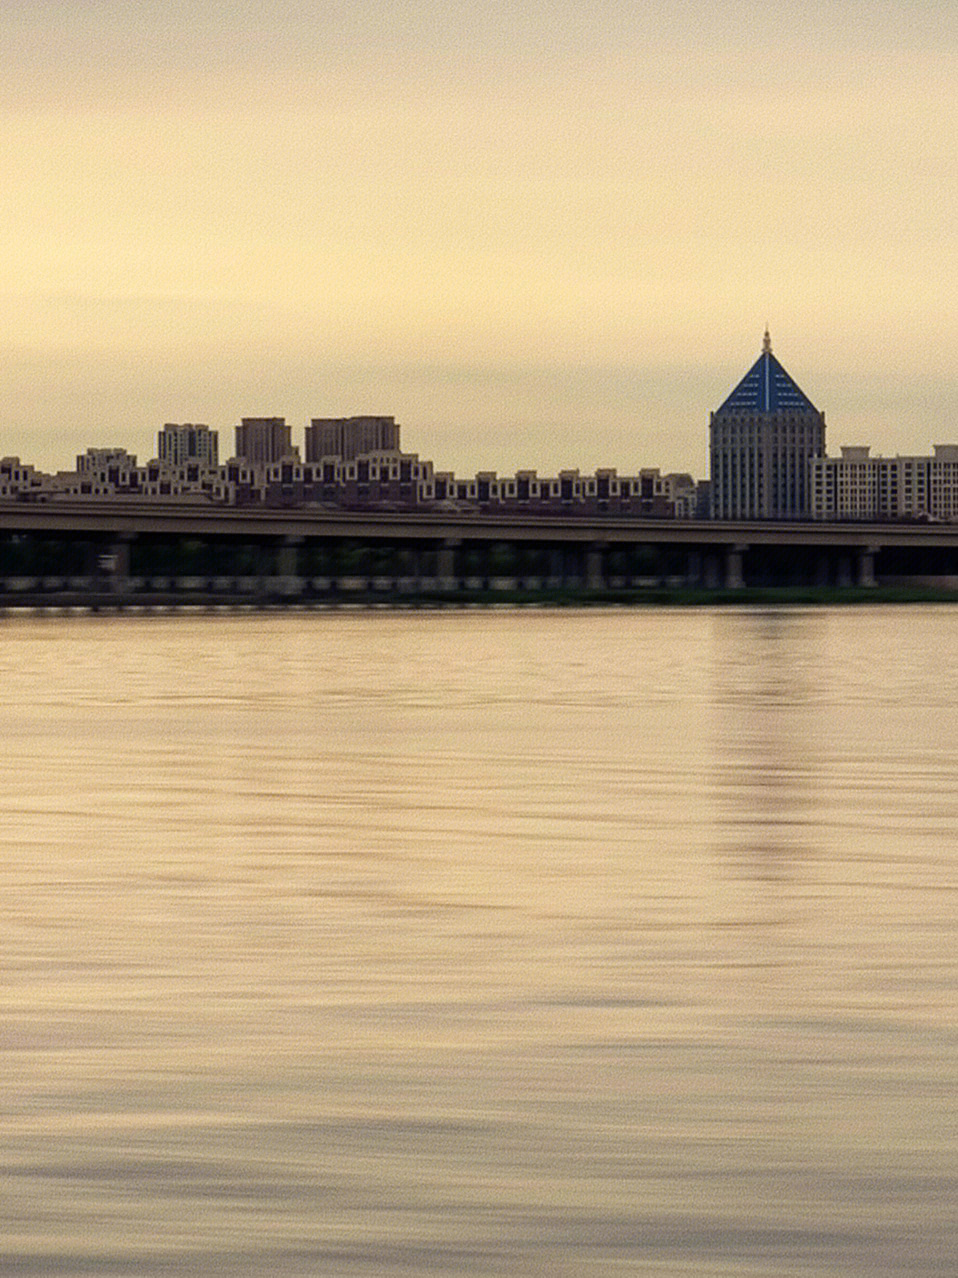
{"x":131,"y":547}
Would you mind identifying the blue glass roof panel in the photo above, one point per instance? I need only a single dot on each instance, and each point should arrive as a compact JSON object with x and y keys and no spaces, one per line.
{"x":767,"y":388}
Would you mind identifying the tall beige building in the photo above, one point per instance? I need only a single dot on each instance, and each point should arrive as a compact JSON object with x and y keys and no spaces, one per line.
{"x":762,"y":441}
{"x":350,"y":437}
{"x":263,"y":439}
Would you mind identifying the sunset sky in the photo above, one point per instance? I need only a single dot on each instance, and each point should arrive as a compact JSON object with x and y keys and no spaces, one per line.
{"x":538,"y":234}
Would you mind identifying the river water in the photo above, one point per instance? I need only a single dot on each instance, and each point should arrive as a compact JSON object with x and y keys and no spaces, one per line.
{"x":541,"y":943}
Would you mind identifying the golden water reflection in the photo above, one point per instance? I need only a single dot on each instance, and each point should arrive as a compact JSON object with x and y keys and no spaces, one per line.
{"x":479,"y":942}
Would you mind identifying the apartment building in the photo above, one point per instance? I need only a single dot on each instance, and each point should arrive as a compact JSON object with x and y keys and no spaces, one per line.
{"x":859,"y":486}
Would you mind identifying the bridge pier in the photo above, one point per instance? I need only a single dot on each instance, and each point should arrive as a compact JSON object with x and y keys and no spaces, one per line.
{"x":734,"y":579}
{"x":448,"y":578}
{"x":555,"y":569}
{"x":595,"y":566}
{"x":289,"y":582}
{"x":866,"y":566}
{"x":574,"y":566}
{"x":414,"y":574}
{"x":113,"y":564}
{"x":120,"y":577}
{"x":712,"y":574}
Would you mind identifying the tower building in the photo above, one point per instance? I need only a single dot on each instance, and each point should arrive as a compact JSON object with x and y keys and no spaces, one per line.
{"x":350,"y":437}
{"x":761,"y":444}
{"x":263,"y":439}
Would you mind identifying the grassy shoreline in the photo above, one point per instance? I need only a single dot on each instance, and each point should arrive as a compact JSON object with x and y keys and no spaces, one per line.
{"x":691,"y":597}
{"x":644,"y":597}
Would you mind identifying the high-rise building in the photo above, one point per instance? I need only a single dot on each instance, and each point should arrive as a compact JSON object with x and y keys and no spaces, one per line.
{"x":761,"y":444}
{"x":189,"y":442}
{"x":350,"y":437}
{"x":263,"y":439}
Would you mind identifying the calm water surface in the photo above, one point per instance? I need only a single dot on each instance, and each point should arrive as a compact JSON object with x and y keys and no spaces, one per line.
{"x":483,"y":943}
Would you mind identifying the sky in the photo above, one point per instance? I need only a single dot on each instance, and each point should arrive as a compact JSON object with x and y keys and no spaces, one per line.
{"x":539,"y":235}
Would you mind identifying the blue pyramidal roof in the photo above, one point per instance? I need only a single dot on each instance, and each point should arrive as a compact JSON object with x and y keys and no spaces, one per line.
{"x":767,"y":388}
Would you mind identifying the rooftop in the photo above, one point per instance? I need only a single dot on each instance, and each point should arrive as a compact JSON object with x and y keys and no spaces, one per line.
{"x":767,"y":388}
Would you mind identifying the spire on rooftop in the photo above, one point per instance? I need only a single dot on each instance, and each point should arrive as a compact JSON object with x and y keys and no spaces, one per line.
{"x":766,"y":343}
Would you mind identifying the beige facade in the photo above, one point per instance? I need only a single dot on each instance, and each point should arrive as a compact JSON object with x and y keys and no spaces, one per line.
{"x":188,"y":442}
{"x":350,"y":437}
{"x":103,"y":462}
{"x":263,"y":439}
{"x":17,"y":477}
{"x":859,"y":486}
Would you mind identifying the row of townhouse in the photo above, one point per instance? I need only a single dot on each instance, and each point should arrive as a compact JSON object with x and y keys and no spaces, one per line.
{"x":17,"y":477}
{"x":859,"y":486}
{"x":648,"y":493}
{"x":403,"y":479}
{"x":379,"y":479}
{"x":108,"y":472}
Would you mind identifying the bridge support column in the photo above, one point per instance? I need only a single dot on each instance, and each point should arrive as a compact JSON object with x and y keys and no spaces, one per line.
{"x":866,"y":566}
{"x":415,"y":567}
{"x":573,"y":565}
{"x":287,"y":567}
{"x":114,"y":564}
{"x":556,"y":573}
{"x":595,"y":566}
{"x":712,"y":575}
{"x":733,"y":567}
{"x":448,"y":579}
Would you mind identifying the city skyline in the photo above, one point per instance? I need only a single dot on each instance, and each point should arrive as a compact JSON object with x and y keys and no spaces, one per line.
{"x":538,"y":237}
{"x":381,"y":433}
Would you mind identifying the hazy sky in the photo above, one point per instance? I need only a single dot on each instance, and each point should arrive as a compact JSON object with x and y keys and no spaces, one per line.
{"x":538,"y":234}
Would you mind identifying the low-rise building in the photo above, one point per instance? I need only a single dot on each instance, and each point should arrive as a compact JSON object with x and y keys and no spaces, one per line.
{"x":101,"y":472}
{"x":17,"y":478}
{"x":859,"y":486}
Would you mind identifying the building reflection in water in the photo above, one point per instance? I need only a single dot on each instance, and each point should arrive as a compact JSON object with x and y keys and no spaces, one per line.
{"x":768,"y":795}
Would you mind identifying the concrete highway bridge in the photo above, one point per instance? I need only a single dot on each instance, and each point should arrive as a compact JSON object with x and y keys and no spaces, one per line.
{"x":132,"y":549}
